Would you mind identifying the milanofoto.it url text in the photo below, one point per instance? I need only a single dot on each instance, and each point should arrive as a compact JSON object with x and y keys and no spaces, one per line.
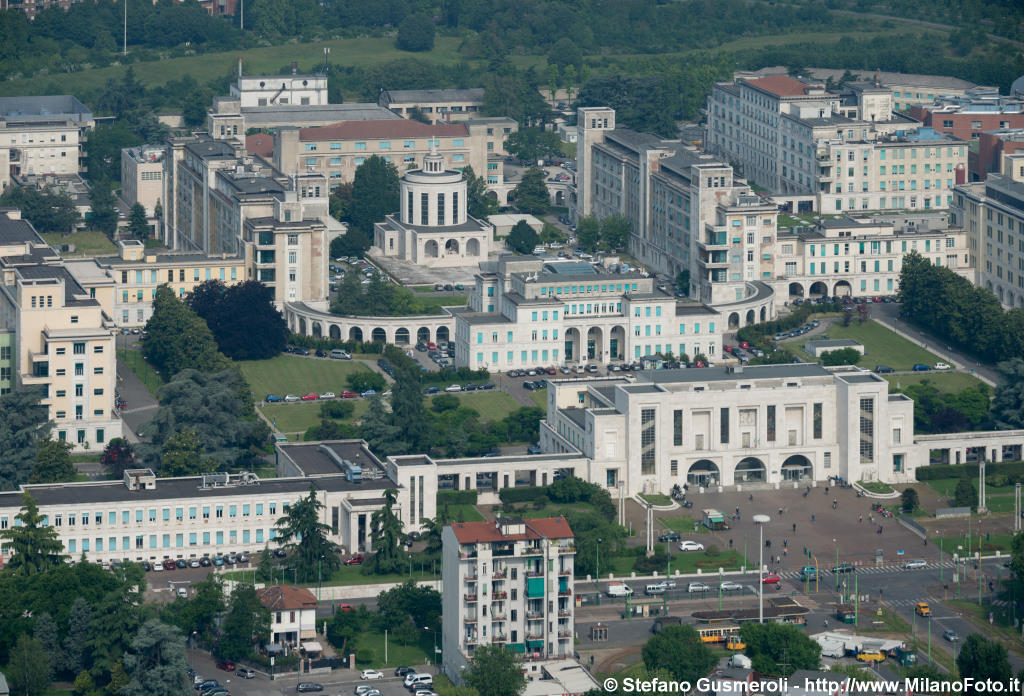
{"x":711,"y":685}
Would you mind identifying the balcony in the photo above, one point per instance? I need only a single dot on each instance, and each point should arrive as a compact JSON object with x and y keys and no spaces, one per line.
{"x":825,"y":174}
{"x":533,"y":551}
{"x":563,"y":613}
{"x":715,"y":238}
{"x":534,"y":573}
{"x":499,"y":638}
{"x":499,"y":595}
{"x":564,"y":634}
{"x":499,"y":575}
{"x":497,"y":617}
{"x":470,"y":597}
{"x":564,"y":592}
{"x":567,"y":548}
{"x":564,"y":572}
{"x":471,"y":578}
{"x":714,"y":262}
{"x":469,"y":640}
{"x":534,"y":615}
{"x":469,"y":619}
{"x":535,"y":636}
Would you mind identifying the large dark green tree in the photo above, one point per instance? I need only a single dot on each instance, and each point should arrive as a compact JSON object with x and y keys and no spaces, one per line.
{"x":177,"y":338}
{"x":29,"y":670}
{"x":138,"y":225}
{"x":478,"y":203}
{"x":53,"y":462}
{"x":246,"y":625}
{"x":588,"y":233}
{"x":374,"y":193}
{"x":415,"y":33}
{"x":533,"y":144}
{"x":242,"y":317}
{"x":155,"y":662}
{"x":407,"y":405}
{"x":36,"y":547}
{"x":47,"y":210}
{"x":779,"y":648}
{"x":103,"y":216}
{"x":386,"y":532}
{"x":1008,"y":406}
{"x":679,"y":650}
{"x":982,"y":659}
{"x":531,"y":193}
{"x":614,"y":232}
{"x":496,"y":671}
{"x":311,"y":554}
{"x":23,"y":424}
{"x":522,"y":238}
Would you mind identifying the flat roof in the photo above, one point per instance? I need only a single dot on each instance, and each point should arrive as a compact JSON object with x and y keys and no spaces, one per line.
{"x":71,"y":287}
{"x":834,"y":342}
{"x":396,"y":128}
{"x":313,"y":459}
{"x":733,"y":374}
{"x":17,"y":231}
{"x":435,"y":95}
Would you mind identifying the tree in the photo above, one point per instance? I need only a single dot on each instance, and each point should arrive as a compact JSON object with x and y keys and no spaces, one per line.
{"x":410,"y":603}
{"x":683,"y":282}
{"x":176,"y":338}
{"x":265,"y":566}
{"x":965,"y":495}
{"x":242,"y":318}
{"x":138,"y":225}
{"x":200,"y":613}
{"x":679,"y":650}
{"x":842,"y":356}
{"x":1008,"y":405}
{"x":53,"y":462}
{"x":45,"y":632}
{"x":478,"y":203}
{"x":908,"y":500}
{"x":194,"y":109}
{"x":564,"y":53}
{"x":614,"y":232}
{"x":533,"y":144}
{"x":363,"y":380}
{"x":304,"y":536}
{"x":77,"y":634}
{"x":182,"y":454}
{"x":35,"y":545}
{"x":104,"y":215}
{"x":23,"y":423}
{"x":531,"y":193}
{"x":495,"y":671}
{"x":415,"y":33}
{"x":386,"y":532}
{"x":29,"y":670}
{"x":522,"y":239}
{"x":48,"y":211}
{"x":246,"y":625}
{"x":779,"y":648}
{"x":374,"y":193}
{"x":588,"y":233}
{"x":118,"y":455}
{"x":983,"y":659}
{"x":407,"y":405}
{"x":379,"y":429}
{"x":155,"y":662}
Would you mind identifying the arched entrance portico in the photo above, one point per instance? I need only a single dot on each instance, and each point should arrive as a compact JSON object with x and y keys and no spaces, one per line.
{"x":442,"y":333}
{"x":617,"y":343}
{"x":734,"y":320}
{"x":764,"y":313}
{"x":355,"y":334}
{"x":401,"y":336}
{"x":317,"y":331}
{"x":843,"y":289}
{"x":423,"y":335}
{"x":572,"y":345}
{"x":451,"y":247}
{"x":473,"y":247}
{"x":797,"y":468}
{"x":818,"y":289}
{"x":750,"y":470}
{"x":703,"y":473}
{"x":796,"y":290}
{"x":751,"y":317}
{"x":430,"y":249}
{"x":335,"y":332}
{"x":302,"y":326}
{"x":378,"y":335}
{"x":595,"y":344}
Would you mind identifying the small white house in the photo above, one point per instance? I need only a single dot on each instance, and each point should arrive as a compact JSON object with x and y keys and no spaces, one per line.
{"x":820,"y":347}
{"x":292,"y":613}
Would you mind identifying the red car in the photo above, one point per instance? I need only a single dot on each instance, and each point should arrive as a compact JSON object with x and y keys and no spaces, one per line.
{"x":726,"y":348}
{"x":551,"y":371}
{"x":431,"y":346}
{"x":354,"y":560}
{"x":771,"y":579}
{"x":349,"y":395}
{"x":309,"y":397}
{"x":744,"y":345}
{"x":226,"y":666}
{"x":346,"y":607}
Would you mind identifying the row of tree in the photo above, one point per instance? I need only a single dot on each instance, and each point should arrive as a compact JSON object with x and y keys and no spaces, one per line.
{"x":607,"y":234}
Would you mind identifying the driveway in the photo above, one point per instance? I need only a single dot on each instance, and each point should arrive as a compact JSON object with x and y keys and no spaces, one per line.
{"x":141,"y":405}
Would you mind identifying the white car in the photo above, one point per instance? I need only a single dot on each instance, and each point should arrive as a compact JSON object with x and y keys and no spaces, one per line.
{"x":729,"y":586}
{"x":327,"y":395}
{"x":943,"y":366}
{"x":291,"y":398}
{"x":371,"y":674}
{"x":453,"y":388}
{"x":691,"y":546}
{"x":697,"y":587}
{"x":916,"y":563}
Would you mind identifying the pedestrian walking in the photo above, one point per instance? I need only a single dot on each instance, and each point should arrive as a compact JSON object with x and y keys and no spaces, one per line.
{"x":794,"y":527}
{"x":785,"y":552}
{"x":780,"y":512}
{"x":860,"y":518}
{"x":812,"y":518}
{"x":730,"y":543}
{"x":785,"y":543}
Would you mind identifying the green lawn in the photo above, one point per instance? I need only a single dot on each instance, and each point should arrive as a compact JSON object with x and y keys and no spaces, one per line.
{"x":876,"y":486}
{"x":297,"y":418}
{"x":266,"y":60}
{"x":492,"y":405}
{"x":554,"y":510}
{"x":398,"y":655}
{"x":87,"y":243}
{"x":433,"y":303}
{"x":881,"y":346}
{"x":462,"y":513}
{"x":540,"y":397}
{"x":347,"y":575}
{"x":989,"y":542}
{"x":292,"y":374}
{"x":684,"y":524}
{"x":946,"y":382}
{"x":656,"y":498}
{"x":142,"y":369}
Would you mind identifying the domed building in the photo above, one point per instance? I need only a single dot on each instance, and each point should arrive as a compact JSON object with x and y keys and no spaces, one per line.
{"x":433,"y":229}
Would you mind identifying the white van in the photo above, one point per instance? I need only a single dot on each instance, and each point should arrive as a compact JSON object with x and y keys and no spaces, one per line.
{"x":655,"y":589}
{"x":619,"y":589}
{"x":418,"y":680}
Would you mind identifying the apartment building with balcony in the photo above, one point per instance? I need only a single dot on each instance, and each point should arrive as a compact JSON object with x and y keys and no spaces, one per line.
{"x":532,"y":312}
{"x":42,"y":135}
{"x":507,"y":582}
{"x":63,"y":340}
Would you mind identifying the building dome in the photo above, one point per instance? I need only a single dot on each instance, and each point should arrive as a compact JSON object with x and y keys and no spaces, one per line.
{"x":433,"y":196}
{"x":1017,"y":88}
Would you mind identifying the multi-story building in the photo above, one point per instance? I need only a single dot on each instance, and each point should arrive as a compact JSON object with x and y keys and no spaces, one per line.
{"x":126,"y":284}
{"x":142,"y":177}
{"x":967,"y":117}
{"x":41,"y":135}
{"x":670,"y":194}
{"x":433,"y":229}
{"x":533,"y":312}
{"x":992,"y":213}
{"x":63,"y":339}
{"x":336,"y":151}
{"x":267,"y":90}
{"x":734,"y":425}
{"x":438,"y":105}
{"x":993,"y":147}
{"x":7,"y":346}
{"x":860,"y":256}
{"x":292,"y":613}
{"x":510,"y":583}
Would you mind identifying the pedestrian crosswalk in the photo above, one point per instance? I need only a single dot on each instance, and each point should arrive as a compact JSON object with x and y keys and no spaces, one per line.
{"x":872,"y":570}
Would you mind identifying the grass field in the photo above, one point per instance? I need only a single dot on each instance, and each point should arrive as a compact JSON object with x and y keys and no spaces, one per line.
{"x":142,"y":369}
{"x":433,"y":303}
{"x":881,"y":346}
{"x":491,"y":405}
{"x":266,"y":60}
{"x":297,"y":418}
{"x":946,"y":382}
{"x":291,"y":374}
{"x":684,"y":524}
{"x":408,"y":655}
{"x":87,"y":243}
{"x":540,"y":397}
{"x":656,"y":498}
{"x":462,"y":513}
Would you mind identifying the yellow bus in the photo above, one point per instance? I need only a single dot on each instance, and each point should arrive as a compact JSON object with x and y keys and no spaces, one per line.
{"x":718,"y":633}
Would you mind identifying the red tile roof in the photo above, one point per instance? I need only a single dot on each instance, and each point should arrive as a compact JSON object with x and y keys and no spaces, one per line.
{"x":286,"y":598}
{"x":390,"y":128}
{"x":780,"y":85}
{"x":260,"y":144}
{"x":537,"y":528}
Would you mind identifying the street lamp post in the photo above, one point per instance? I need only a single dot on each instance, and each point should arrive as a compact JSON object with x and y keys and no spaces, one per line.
{"x":597,"y":570}
{"x":837,"y":566}
{"x":760,"y":521}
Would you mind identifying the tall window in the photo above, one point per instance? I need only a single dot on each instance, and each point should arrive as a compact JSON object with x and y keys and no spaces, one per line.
{"x":440,"y":209}
{"x":409,"y":209}
{"x":817,"y":421}
{"x":677,"y":427}
{"x":771,"y":423}
{"x":455,"y":207}
{"x":648,"y":433}
{"x":724,"y":415}
{"x":424,"y":208}
{"x":867,"y":430}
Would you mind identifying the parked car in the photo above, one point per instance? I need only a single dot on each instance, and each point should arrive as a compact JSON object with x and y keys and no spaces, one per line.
{"x":371,"y":674}
{"x":181,"y":563}
{"x":304,"y":687}
{"x":246,"y":673}
{"x":226,"y":666}
{"x":451,"y":388}
{"x":730,"y":586}
{"x":487,"y":386}
{"x":327,"y":395}
{"x":157,"y":567}
{"x":309,"y":397}
{"x":942,"y":366}
{"x":691,"y":546}
{"x":534,"y":449}
{"x":883,"y":369}
{"x":291,"y":398}
{"x":354,"y":560}
{"x":431,"y":390}
{"x":368,"y":393}
{"x":273,"y":399}
{"x":920,"y":367}
{"x":204,"y":561}
{"x":349,"y":394}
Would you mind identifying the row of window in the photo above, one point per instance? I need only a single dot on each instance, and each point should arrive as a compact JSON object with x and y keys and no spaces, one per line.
{"x":587,"y":289}
{"x":153,"y":541}
{"x":140,"y":276}
{"x":386,"y":145}
{"x":153,"y":515}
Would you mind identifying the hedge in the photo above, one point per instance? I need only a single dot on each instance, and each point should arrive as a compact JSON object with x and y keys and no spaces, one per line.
{"x":798,"y":317}
{"x":1011,"y":470}
{"x":524,"y":494}
{"x":333,"y":343}
{"x":456,"y":498}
